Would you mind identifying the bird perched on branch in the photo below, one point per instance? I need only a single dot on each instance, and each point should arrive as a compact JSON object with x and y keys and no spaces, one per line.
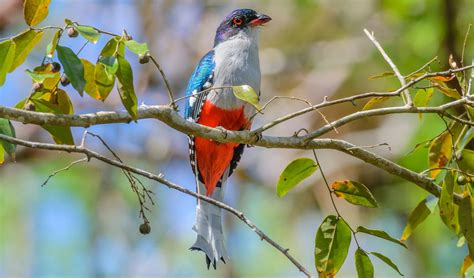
{"x":232,"y":62}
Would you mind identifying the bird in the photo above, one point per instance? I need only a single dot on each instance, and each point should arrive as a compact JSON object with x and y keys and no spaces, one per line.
{"x":233,"y":61}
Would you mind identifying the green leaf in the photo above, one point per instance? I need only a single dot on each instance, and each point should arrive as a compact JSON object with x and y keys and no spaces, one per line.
{"x":422,"y":98}
{"x":89,"y":76}
{"x":364,"y":267}
{"x":298,"y":170}
{"x":72,"y":67}
{"x":466,"y":163}
{"x":6,"y":128}
{"x":49,"y":83}
{"x":247,"y":94}
{"x":137,"y":48}
{"x":35,"y":11}
{"x":466,"y":220}
{"x":2,"y":154}
{"x":381,"y":75}
{"x":111,"y":65}
{"x":380,"y":234}
{"x":374,"y":101}
{"x":104,"y":83}
{"x":387,"y":261}
{"x":418,"y":215}
{"x":7,"y":54}
{"x":88,"y":32}
{"x":41,"y":77}
{"x":447,"y":209}
{"x":113,"y":47}
{"x":332,"y":245}
{"x":68,"y":22}
{"x":440,"y":152}
{"x":125,"y":87}
{"x":354,"y":192}
{"x":51,"y":48}
{"x":24,"y":42}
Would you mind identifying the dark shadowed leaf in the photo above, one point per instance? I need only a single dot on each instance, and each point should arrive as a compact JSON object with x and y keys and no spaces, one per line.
{"x":467,"y":162}
{"x":24,"y":43}
{"x":137,"y":48}
{"x":387,"y":261}
{"x":125,"y":87}
{"x":332,"y":245}
{"x":247,"y":94}
{"x":72,"y":67}
{"x":373,"y":102}
{"x":382,"y":75}
{"x":466,"y":219}
{"x":364,"y":267}
{"x":35,"y":11}
{"x":440,"y":152}
{"x":89,"y":76}
{"x":51,"y":48}
{"x":296,"y":171}
{"x":380,"y":234}
{"x":418,"y":215}
{"x":7,"y":53}
{"x":447,"y":210}
{"x":6,"y":128}
{"x":354,"y":192}
{"x":88,"y":32}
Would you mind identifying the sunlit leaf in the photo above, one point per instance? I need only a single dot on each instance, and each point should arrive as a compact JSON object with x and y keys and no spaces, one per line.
{"x":103,"y":82}
{"x":72,"y":67}
{"x":422,"y":98}
{"x":441,"y":78}
{"x":7,"y":54}
{"x":449,"y":92}
{"x":2,"y":154}
{"x":467,"y":268}
{"x":381,"y":75}
{"x":364,"y":267}
{"x":125,"y":87}
{"x":111,"y":65}
{"x":418,"y":215}
{"x":137,"y":48}
{"x":447,"y":209}
{"x":41,"y":77}
{"x":332,"y":245}
{"x":6,"y":128}
{"x":113,"y":47}
{"x":386,"y":260}
{"x":296,"y":171}
{"x":88,"y":32}
{"x":24,"y":43}
{"x":354,"y":192}
{"x":380,"y":234}
{"x":49,"y":82}
{"x":440,"y":152}
{"x":374,"y":101}
{"x":35,"y":11}
{"x":89,"y":76}
{"x":51,"y":48}
{"x":247,"y":94}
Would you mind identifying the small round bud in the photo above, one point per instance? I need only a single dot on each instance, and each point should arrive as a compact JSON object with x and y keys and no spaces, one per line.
{"x":145,"y":228}
{"x":37,"y":86}
{"x":56,"y":67}
{"x":30,"y":106}
{"x":72,"y":32}
{"x":462,"y":180}
{"x":65,"y":81}
{"x":143,"y":59}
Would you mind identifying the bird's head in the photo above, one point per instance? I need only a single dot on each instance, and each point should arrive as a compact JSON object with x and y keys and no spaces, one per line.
{"x":240,"y":22}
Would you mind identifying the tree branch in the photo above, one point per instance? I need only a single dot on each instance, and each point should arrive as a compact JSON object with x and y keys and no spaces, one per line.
{"x":159,"y":178}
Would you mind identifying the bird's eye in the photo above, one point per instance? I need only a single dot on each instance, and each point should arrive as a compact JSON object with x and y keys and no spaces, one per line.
{"x":238,"y":21}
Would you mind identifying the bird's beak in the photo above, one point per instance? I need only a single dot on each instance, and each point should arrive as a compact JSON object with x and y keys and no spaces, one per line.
{"x":260,"y":20}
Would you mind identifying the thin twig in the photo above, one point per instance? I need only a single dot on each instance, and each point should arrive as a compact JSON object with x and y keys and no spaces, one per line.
{"x":422,"y":68}
{"x":160,"y":179}
{"x":168,"y":87}
{"x":63,"y":169}
{"x":406,"y":93}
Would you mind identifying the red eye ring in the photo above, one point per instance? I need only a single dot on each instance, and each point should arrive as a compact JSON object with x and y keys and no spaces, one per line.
{"x":238,"y":21}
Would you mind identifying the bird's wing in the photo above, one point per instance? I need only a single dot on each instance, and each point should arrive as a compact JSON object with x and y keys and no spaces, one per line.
{"x":201,"y":79}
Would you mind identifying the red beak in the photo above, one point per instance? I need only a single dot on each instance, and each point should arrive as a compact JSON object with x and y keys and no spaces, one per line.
{"x":260,"y":20}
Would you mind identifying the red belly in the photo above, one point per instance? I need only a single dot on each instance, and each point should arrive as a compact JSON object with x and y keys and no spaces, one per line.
{"x":213,"y":158}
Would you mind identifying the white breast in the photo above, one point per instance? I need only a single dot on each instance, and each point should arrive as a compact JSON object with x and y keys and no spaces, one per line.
{"x":237,"y":63}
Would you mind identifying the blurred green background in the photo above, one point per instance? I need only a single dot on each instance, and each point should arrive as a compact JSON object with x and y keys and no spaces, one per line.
{"x":84,"y":222}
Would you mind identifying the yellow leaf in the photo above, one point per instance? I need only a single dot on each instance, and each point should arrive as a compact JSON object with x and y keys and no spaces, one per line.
{"x":35,"y":11}
{"x":2,"y":154}
{"x":467,"y":266}
{"x":25,"y":42}
{"x":89,"y":76}
{"x":440,"y":152}
{"x":247,"y":94}
{"x":374,"y":101}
